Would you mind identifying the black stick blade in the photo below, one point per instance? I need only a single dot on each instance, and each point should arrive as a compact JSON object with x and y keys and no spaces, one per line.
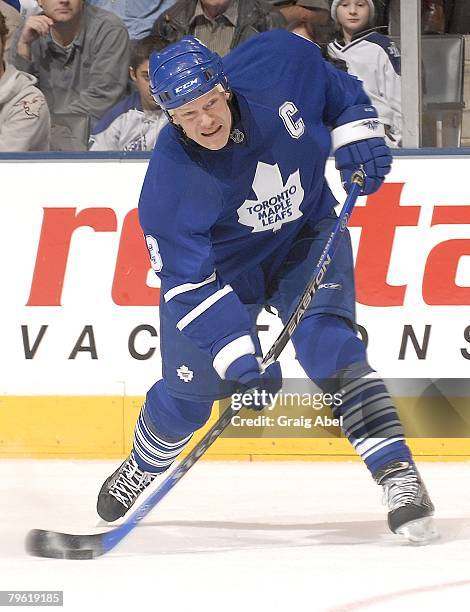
{"x":41,"y":543}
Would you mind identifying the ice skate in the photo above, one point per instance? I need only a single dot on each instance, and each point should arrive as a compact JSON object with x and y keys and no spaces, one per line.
{"x":410,"y":508}
{"x":121,"y":489}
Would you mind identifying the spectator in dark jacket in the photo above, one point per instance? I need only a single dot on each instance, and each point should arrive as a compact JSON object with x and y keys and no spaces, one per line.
{"x":312,"y":12}
{"x":220,"y":24}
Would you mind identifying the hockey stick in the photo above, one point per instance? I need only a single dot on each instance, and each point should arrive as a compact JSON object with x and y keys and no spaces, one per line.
{"x":357,"y":183}
{"x":43,"y":543}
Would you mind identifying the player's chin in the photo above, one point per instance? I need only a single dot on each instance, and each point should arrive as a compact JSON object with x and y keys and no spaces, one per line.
{"x":215,"y":141}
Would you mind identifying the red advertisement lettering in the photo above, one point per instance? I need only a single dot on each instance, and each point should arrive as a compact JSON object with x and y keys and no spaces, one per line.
{"x":439,"y":287}
{"x":58,"y":226}
{"x":378,"y":221}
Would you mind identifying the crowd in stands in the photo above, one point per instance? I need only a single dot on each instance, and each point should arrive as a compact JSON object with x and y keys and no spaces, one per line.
{"x":74,"y":73}
{"x":134,"y":123}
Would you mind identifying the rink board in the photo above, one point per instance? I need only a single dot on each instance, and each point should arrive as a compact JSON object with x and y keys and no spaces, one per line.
{"x":80,"y":317}
{"x":102,"y":427}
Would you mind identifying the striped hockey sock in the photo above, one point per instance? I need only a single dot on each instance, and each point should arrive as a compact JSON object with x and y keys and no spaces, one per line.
{"x":152,"y":451}
{"x":371,"y":423}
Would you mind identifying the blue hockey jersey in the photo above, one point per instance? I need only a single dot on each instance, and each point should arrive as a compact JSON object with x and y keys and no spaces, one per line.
{"x":210,"y":217}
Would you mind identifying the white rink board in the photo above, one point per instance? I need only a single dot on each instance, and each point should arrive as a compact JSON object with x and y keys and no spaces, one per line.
{"x":29,"y":189}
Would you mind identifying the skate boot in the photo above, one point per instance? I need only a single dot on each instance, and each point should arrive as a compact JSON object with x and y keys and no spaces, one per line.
{"x":121,"y":489}
{"x":410,"y":508}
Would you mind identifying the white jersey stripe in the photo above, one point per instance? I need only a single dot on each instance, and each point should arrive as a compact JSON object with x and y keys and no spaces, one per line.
{"x":169,"y":295}
{"x":203,"y":306}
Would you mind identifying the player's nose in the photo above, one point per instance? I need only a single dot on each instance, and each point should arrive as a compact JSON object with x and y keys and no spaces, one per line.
{"x":206,"y":120}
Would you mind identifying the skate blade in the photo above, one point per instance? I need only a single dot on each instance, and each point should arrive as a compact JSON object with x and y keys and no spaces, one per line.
{"x":420,"y":531}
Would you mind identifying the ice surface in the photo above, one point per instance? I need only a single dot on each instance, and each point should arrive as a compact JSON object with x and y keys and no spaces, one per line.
{"x":241,"y":536}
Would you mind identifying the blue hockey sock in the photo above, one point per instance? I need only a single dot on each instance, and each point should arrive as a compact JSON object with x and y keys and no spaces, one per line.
{"x":164,"y":427}
{"x":370,"y":420}
{"x":335,"y":359}
{"x":152,"y":452}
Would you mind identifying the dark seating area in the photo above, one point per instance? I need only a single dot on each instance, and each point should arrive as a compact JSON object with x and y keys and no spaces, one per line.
{"x":443,"y":80}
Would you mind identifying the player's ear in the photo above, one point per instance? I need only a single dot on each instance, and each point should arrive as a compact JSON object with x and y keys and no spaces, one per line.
{"x":132,"y":74}
{"x":172,"y":119}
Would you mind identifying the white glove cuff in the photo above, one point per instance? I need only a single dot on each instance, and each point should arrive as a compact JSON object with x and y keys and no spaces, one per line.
{"x":231,"y":352}
{"x":356,"y":131}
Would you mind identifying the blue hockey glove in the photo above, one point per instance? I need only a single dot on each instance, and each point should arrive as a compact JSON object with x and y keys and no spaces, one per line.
{"x":358,"y":143}
{"x":372,"y":156}
{"x":260,"y":388}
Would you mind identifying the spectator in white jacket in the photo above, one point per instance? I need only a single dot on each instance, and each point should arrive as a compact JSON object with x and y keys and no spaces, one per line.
{"x":134,"y":123}
{"x":13,"y":21}
{"x":371,"y":57}
{"x":24,"y":116}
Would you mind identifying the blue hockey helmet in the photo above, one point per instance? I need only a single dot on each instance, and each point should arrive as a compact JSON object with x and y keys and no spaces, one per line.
{"x":183,"y":72}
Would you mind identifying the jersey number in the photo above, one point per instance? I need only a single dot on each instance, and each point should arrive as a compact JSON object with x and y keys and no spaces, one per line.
{"x":155,"y":257}
{"x":286,"y":112}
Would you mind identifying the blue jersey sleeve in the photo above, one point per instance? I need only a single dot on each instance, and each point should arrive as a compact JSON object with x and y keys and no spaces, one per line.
{"x":178,"y":207}
{"x":342,"y":92}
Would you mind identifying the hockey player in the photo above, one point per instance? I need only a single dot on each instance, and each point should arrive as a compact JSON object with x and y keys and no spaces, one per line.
{"x":371,"y":57}
{"x":236,"y":211}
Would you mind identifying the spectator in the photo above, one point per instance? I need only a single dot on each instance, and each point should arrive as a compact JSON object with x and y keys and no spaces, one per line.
{"x":134,"y":123}
{"x":12,"y":19}
{"x":138,"y":15}
{"x":220,"y":24}
{"x":79,"y":53}
{"x":317,"y":34}
{"x":24,"y":116}
{"x":312,"y":12}
{"x":371,"y":57}
{"x":310,"y":19}
{"x":25,"y":7}
{"x":304,"y":28}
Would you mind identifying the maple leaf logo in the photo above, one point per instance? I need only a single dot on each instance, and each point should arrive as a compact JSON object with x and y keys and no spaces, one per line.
{"x":185,"y":373}
{"x":276,"y":204}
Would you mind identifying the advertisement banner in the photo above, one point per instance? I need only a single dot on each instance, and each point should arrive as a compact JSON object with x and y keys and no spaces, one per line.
{"x":80,"y":301}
